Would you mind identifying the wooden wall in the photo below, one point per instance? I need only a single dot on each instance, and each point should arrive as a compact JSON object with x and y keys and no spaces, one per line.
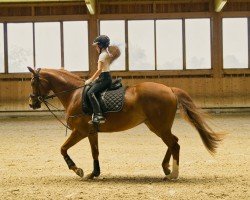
{"x":209,"y":88}
{"x":207,"y":92}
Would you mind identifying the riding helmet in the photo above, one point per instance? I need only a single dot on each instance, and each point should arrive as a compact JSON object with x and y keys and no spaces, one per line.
{"x":102,"y":41}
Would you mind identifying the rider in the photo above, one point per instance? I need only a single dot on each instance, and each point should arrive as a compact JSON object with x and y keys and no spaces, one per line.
{"x":101,"y":79}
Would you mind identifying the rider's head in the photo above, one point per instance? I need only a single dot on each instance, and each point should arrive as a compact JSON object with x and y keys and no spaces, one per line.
{"x":101,"y":42}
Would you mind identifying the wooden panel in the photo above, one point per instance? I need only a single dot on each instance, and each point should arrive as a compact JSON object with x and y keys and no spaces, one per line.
{"x":111,"y":9}
{"x":15,"y":11}
{"x":237,"y":6}
{"x":10,"y":10}
{"x":207,"y":92}
{"x":183,"y":7}
{"x":60,"y":10}
{"x":126,"y":9}
{"x":163,"y":7}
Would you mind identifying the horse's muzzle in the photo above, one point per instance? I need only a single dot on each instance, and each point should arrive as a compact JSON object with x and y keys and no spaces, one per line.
{"x":34,"y":104}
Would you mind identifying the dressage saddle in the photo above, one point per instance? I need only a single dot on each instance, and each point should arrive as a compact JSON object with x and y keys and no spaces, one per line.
{"x":110,"y":100}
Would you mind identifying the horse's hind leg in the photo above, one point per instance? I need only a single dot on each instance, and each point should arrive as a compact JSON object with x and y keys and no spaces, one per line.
{"x":165,"y":163}
{"x":173,"y":149}
{"x":71,"y":141}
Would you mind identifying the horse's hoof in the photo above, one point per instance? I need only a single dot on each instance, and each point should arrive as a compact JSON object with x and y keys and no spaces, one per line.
{"x":96,"y":173}
{"x":171,"y":177}
{"x":167,"y":177}
{"x":79,"y":172}
{"x":90,"y":176}
{"x":167,"y":171}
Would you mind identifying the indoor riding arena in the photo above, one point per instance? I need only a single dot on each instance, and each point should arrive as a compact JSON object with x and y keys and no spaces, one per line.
{"x":125,"y":99}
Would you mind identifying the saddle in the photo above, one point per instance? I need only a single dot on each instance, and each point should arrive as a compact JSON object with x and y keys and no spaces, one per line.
{"x":110,"y":100}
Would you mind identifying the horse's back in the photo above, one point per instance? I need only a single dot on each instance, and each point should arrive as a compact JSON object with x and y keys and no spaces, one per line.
{"x":155,"y":92}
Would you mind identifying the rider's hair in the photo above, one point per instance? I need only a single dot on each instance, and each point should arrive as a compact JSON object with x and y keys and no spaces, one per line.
{"x":114,"y":52}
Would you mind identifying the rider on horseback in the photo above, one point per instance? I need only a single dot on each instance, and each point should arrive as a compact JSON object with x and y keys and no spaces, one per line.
{"x":101,"y":79}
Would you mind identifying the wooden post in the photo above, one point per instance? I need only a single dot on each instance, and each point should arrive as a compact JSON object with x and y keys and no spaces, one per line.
{"x":5,"y":36}
{"x":62,"y":45}
{"x":93,"y":33}
{"x":184,"y":44}
{"x":217,"y":46}
{"x":34,"y":45}
{"x":126,"y":47}
{"x":248,"y":25}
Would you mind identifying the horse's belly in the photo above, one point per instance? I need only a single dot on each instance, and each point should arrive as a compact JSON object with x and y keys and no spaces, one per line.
{"x":121,"y":121}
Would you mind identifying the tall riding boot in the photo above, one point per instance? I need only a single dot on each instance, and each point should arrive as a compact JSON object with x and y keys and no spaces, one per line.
{"x":97,"y":112}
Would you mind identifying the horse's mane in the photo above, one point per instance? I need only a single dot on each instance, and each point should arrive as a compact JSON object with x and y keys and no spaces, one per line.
{"x":70,"y":78}
{"x":62,"y":72}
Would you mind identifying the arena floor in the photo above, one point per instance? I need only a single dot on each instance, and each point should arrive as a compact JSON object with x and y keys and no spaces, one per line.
{"x":32,"y":167}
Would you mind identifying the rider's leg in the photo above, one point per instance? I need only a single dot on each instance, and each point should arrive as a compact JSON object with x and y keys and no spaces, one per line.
{"x":98,"y":87}
{"x":98,"y":117}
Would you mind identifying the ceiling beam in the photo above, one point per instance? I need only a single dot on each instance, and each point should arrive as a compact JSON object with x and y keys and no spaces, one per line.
{"x":91,"y":6}
{"x":219,"y":4}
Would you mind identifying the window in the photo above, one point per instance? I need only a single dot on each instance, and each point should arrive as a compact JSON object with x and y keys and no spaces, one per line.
{"x":20,"y":47}
{"x":235,"y":43}
{"x":169,"y":44}
{"x":1,"y":49}
{"x":141,"y":45}
{"x":115,"y":29}
{"x":198,"y":44}
{"x":76,"y":54}
{"x":48,"y":45}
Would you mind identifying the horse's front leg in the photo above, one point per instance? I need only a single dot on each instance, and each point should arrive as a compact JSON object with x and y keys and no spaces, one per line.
{"x":71,"y":141}
{"x":93,"y":140}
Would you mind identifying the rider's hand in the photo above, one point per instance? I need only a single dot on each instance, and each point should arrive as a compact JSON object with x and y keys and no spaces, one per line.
{"x":87,"y":82}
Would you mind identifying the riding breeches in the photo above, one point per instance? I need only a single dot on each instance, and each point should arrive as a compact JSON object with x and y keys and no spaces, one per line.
{"x":102,"y":83}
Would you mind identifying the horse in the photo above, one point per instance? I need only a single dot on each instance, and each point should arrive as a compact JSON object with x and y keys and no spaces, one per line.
{"x":151,"y":103}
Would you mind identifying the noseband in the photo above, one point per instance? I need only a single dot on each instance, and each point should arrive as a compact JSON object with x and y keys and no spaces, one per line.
{"x":36,"y":79}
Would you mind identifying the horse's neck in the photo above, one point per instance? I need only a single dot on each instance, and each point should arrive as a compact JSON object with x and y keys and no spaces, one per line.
{"x":63,"y":82}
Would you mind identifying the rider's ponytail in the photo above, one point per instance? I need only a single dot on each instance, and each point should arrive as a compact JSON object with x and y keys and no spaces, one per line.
{"x":114,"y":52}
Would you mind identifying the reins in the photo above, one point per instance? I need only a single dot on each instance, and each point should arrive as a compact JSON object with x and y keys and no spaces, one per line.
{"x":46,"y":104}
{"x":65,"y":125}
{"x":43,"y":100}
{"x":62,"y":92}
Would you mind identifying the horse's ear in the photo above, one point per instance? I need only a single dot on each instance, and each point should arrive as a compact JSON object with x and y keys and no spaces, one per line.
{"x":31,"y":70}
{"x":38,"y":70}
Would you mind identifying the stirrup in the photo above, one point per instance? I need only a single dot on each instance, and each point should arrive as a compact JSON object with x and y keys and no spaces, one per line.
{"x":97,"y":119}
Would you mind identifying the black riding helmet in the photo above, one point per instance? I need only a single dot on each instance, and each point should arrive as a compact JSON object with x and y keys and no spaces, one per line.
{"x":102,"y":41}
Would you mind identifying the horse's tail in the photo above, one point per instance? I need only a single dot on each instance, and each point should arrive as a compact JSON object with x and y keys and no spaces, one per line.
{"x":195,"y":117}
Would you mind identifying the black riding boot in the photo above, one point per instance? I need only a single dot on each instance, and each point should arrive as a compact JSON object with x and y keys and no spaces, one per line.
{"x":97,"y":112}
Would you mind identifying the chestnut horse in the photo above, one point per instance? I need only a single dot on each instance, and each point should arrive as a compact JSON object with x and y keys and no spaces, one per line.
{"x":150,"y":103}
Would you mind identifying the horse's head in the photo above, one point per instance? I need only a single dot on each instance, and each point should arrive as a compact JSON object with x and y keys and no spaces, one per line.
{"x":40,"y":89}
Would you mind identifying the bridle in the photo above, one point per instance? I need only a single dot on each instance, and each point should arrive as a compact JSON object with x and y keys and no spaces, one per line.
{"x":43,"y":98}
{"x":36,"y":79}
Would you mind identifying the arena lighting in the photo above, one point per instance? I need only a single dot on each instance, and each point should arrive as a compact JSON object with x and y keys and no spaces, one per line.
{"x":219,"y":4}
{"x":91,"y":6}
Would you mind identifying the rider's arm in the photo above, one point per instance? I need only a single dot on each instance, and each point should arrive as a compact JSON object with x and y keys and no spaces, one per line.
{"x":97,"y":73}
{"x":99,"y":70}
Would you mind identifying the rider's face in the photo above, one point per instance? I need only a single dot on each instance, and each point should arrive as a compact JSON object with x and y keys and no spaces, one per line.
{"x":97,"y":48}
